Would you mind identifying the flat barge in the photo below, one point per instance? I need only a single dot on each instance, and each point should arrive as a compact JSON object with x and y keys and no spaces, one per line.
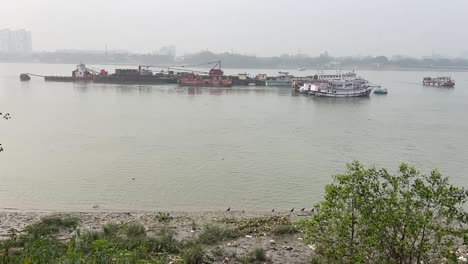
{"x":121,"y":76}
{"x":244,"y":79}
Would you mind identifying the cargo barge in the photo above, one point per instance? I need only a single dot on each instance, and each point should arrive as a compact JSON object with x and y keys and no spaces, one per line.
{"x":244,"y":79}
{"x":140,"y":76}
{"x":121,"y":76}
{"x":214,"y":78}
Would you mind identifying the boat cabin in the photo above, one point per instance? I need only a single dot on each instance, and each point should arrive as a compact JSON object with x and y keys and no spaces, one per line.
{"x":81,"y":71}
{"x":261,"y":76}
{"x":243,"y":76}
{"x":216,"y":72}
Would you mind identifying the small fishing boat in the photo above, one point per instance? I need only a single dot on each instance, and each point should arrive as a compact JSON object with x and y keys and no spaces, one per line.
{"x":380,"y":90}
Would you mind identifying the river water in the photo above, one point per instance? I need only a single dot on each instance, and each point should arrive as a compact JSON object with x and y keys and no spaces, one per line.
{"x":71,"y":146}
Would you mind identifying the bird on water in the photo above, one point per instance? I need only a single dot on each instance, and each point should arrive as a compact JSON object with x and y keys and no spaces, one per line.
{"x":273,"y":210}
{"x":313,"y":209}
{"x":292,"y":210}
{"x":229,"y":209}
{"x":302,"y":210}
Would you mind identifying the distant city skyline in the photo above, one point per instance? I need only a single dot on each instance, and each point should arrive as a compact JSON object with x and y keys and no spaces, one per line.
{"x":15,"y":41}
{"x":19,"y":42}
{"x":262,"y":28}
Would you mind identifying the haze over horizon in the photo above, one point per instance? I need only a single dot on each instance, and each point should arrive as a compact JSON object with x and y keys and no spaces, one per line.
{"x":263,"y":28}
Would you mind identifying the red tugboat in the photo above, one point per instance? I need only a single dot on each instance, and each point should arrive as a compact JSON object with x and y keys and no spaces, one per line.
{"x":215,"y":78}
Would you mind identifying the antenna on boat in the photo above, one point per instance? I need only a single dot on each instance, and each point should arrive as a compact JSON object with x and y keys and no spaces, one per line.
{"x":341,"y":76}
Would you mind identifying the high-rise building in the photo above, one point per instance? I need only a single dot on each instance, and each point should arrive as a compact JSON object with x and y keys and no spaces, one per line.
{"x":15,"y":41}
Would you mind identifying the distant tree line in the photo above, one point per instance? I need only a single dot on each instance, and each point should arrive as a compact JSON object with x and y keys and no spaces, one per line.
{"x":229,"y":60}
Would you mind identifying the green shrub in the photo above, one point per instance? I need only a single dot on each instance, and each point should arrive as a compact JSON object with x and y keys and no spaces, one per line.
{"x":42,"y":250}
{"x":260,"y":254}
{"x":372,"y":216}
{"x":165,"y":242}
{"x":257,"y":255}
{"x":193,"y":254}
{"x":111,"y":230}
{"x":135,"y":230}
{"x":163,"y":217}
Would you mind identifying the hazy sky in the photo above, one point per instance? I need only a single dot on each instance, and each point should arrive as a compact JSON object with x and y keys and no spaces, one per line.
{"x":262,"y":27}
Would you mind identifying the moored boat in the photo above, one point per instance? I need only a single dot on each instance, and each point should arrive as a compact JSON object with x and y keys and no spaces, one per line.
{"x":24,"y":77}
{"x":80,"y":74}
{"x":308,"y":88}
{"x":215,"y":78}
{"x":142,"y":75}
{"x":380,"y":90}
{"x":442,"y":81}
{"x":283,"y":79}
{"x":345,"y":88}
{"x":244,"y":79}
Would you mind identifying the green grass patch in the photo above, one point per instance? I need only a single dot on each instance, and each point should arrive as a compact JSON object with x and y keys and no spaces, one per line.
{"x":284,"y":230}
{"x":165,"y":242}
{"x":193,"y":254}
{"x":213,"y":234}
{"x":218,"y":252}
{"x":258,"y":225}
{"x":51,"y":225}
{"x":258,"y":255}
{"x":126,"y":243}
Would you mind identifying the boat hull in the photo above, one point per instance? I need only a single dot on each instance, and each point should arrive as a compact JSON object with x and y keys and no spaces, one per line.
{"x":68,"y":79}
{"x":281,"y":83}
{"x":206,"y":83}
{"x":448,"y":85}
{"x":380,"y":92}
{"x":248,"y":82}
{"x":134,"y":79}
{"x":342,"y":95}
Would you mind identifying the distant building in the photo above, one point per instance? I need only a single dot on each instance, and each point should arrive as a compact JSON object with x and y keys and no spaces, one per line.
{"x":167,"y":51}
{"x":15,"y":41}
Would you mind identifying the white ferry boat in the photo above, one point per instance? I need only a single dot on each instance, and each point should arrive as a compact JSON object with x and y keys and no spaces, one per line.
{"x":345,"y":88}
